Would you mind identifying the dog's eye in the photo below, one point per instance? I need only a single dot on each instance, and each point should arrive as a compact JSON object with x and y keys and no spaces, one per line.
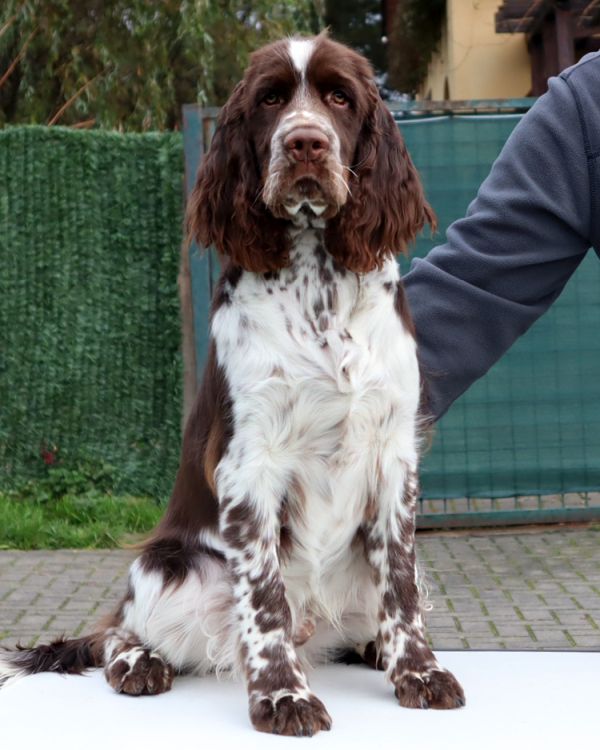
{"x":272,"y":98}
{"x":338,"y":97}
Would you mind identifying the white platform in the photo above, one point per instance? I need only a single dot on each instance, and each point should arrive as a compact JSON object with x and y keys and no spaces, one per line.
{"x":515,"y":701}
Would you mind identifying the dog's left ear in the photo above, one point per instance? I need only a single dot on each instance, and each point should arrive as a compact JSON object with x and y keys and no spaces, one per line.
{"x":225,"y":208}
{"x":386,"y":208}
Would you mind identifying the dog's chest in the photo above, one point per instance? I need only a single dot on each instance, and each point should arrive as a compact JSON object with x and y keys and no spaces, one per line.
{"x":323,"y":379}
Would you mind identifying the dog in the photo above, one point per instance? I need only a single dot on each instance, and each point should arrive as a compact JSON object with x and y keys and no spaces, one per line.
{"x":290,"y":533}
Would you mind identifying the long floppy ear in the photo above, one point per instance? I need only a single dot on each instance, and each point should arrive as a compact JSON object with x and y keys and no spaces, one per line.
{"x":386,"y":207}
{"x":225,"y":208}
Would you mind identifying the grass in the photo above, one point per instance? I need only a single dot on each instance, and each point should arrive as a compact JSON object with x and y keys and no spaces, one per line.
{"x":92,"y":520}
{"x":73,"y":507}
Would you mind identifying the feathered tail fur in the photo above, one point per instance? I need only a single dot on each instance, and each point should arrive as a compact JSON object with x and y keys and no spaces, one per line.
{"x":70,"y":656}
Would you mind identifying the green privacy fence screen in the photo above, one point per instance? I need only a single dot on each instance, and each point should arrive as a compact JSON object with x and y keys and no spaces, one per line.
{"x":532,"y":425}
{"x":90,"y":234}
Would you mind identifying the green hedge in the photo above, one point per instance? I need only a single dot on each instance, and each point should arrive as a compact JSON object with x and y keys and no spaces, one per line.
{"x":90,"y":370}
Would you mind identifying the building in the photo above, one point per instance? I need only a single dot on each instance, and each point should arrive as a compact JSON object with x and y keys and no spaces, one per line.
{"x":489,"y":49}
{"x":558,"y":33}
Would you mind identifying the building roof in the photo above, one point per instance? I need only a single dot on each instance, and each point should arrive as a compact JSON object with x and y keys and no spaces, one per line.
{"x":526,"y":16}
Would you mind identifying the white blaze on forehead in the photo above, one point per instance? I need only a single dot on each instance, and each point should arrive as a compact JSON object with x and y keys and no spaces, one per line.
{"x":300,"y":51}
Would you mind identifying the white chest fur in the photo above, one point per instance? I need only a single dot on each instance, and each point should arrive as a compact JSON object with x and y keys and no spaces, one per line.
{"x":325,"y":386}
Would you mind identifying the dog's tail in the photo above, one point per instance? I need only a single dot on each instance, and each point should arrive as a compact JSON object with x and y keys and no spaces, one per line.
{"x":64,"y":655}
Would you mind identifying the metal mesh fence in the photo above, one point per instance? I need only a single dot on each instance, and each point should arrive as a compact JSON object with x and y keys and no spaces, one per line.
{"x":531,"y":426}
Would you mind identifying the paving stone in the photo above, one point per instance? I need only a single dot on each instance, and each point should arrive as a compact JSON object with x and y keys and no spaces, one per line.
{"x":489,"y":590}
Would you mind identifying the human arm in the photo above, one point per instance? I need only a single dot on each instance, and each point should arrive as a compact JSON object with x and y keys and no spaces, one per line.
{"x":507,"y":261}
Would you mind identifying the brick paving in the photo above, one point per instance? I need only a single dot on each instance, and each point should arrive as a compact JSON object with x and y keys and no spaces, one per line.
{"x":538,"y":590}
{"x":534,"y":589}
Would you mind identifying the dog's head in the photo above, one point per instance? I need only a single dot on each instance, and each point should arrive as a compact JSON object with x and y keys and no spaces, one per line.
{"x":305,"y":139}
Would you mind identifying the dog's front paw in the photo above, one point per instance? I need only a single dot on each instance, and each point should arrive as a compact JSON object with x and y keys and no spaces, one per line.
{"x":436,"y":688}
{"x":290,"y":715}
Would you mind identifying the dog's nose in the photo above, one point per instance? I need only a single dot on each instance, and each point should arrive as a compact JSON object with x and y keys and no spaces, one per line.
{"x":307,"y":144}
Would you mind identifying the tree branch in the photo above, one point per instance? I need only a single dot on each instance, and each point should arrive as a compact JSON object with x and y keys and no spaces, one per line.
{"x":19,"y":57}
{"x":8,"y":24}
{"x":70,"y":101}
{"x":85,"y":123}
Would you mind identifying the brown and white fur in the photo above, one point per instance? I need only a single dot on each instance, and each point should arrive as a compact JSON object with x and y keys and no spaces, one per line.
{"x":290,"y":532}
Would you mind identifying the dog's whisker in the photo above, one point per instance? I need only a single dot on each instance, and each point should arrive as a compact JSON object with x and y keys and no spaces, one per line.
{"x":344,"y":182}
{"x":352,"y":172}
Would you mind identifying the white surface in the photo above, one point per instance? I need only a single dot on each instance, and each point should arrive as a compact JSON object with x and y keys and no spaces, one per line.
{"x":515,"y":701}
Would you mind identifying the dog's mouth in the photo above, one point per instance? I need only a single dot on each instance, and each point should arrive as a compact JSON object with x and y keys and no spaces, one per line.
{"x":306,"y":196}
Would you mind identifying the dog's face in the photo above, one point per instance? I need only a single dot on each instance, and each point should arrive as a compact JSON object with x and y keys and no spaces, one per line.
{"x":306,"y":102}
{"x":306,"y":140}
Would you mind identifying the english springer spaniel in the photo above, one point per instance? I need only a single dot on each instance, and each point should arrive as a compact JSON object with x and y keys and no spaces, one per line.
{"x":289,"y":536}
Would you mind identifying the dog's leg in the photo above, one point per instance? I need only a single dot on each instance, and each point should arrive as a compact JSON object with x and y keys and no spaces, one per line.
{"x":175,"y":618}
{"x":280,"y":699}
{"x":401,"y":646}
{"x":366,"y":653}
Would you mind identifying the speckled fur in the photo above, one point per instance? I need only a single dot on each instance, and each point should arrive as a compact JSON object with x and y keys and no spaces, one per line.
{"x":290,"y":531}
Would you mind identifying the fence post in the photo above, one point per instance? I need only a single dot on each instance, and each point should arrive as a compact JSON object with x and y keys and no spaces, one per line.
{"x":188,"y":345}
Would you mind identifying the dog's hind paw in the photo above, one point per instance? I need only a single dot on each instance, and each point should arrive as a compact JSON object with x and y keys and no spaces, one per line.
{"x":139,"y":671}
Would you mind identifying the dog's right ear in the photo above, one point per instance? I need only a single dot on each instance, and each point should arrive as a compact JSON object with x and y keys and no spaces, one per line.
{"x":225,"y":208}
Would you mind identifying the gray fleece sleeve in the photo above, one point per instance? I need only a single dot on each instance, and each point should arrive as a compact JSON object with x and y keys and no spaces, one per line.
{"x":507,"y":261}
